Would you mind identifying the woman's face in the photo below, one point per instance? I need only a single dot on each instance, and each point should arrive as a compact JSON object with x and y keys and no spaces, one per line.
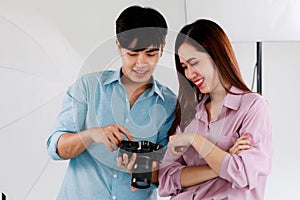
{"x":199,"y":68}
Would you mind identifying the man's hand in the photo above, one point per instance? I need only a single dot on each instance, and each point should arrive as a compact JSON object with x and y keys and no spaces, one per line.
{"x":110,"y":135}
{"x":126,"y":163}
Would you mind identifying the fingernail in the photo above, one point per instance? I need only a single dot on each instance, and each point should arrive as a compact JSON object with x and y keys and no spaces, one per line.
{"x":252,"y":142}
{"x":247,"y":134}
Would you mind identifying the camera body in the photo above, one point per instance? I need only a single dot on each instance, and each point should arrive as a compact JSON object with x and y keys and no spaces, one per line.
{"x":147,"y":152}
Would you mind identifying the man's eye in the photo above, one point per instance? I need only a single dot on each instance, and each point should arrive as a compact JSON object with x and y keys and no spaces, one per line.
{"x":132,"y":54}
{"x":151,"y":54}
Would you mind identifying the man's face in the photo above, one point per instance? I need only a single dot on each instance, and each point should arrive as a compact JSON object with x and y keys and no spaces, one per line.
{"x":138,"y":66}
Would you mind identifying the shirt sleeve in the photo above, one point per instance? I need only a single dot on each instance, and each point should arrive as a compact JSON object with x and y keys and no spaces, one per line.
{"x":162,"y":137}
{"x":169,"y":174}
{"x":169,"y":107}
{"x":245,"y":169}
{"x":71,"y":117}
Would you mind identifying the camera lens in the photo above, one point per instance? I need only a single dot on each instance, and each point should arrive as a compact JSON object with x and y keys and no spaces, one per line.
{"x":142,"y":184}
{"x":142,"y":174}
{"x":142,"y":168}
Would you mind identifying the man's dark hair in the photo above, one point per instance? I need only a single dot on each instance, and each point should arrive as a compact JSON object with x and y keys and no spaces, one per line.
{"x":146,"y":25}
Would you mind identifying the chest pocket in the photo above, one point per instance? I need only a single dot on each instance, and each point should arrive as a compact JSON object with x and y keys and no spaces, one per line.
{"x":148,"y":123}
{"x":225,"y":142}
{"x":143,"y":120}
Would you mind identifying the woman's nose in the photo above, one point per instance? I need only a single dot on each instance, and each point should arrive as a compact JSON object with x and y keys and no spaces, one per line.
{"x":190,"y":73}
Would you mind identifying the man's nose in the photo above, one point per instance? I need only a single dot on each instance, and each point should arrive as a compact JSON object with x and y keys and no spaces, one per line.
{"x":140,"y":59}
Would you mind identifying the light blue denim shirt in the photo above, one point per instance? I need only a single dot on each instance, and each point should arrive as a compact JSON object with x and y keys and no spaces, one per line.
{"x":96,"y":100}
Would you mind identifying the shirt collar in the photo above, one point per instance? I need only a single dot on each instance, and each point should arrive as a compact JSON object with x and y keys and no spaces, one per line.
{"x":155,"y":89}
{"x":116,"y":76}
{"x":200,"y":109}
{"x":233,"y":101}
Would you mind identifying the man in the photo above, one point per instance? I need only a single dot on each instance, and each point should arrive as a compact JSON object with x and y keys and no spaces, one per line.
{"x":101,"y":109}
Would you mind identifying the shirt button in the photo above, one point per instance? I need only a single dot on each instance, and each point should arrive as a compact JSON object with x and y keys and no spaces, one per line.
{"x":114,"y":197}
{"x":126,"y":120}
{"x":115,"y":175}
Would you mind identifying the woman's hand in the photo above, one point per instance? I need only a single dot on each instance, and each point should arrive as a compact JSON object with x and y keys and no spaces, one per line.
{"x":179,"y":143}
{"x":241,"y":144}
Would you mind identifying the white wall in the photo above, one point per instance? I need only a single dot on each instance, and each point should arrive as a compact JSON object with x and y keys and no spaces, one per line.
{"x":280,"y":75}
{"x":45,"y":45}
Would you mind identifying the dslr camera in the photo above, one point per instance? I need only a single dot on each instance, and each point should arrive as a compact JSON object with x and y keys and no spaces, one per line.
{"x":146,"y":153}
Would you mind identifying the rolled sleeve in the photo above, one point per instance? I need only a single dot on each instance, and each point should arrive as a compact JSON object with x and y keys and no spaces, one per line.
{"x":245,"y":169}
{"x":169,"y":175}
{"x":70,"y":119}
{"x":232,"y":169}
{"x":52,"y":146}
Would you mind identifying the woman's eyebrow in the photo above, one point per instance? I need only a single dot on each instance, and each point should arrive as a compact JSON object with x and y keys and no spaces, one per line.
{"x":189,"y":60}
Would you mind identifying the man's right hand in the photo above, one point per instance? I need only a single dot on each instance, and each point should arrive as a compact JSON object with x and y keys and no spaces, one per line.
{"x":110,"y":135}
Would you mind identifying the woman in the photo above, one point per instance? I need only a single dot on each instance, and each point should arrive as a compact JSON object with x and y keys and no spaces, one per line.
{"x":219,"y":112}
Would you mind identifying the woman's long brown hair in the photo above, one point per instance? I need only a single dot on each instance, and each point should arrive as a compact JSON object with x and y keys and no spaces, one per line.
{"x":206,"y":36}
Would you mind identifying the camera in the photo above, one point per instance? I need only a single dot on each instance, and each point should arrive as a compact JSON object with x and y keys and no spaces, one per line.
{"x":146,"y":153}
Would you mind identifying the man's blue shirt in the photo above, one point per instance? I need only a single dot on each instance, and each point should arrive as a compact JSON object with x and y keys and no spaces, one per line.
{"x":96,"y":100}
